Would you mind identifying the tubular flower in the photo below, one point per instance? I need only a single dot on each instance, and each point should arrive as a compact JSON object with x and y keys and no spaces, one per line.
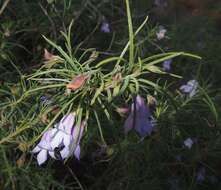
{"x":57,"y":141}
{"x":139,"y":118}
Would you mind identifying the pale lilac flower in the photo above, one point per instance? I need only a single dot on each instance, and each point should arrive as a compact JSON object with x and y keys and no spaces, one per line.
{"x":75,"y":134}
{"x":167,"y":65}
{"x":66,"y":135}
{"x":139,"y":118}
{"x":161,"y":33}
{"x":190,"y":88}
{"x":105,"y":27}
{"x":188,"y":143}
{"x":60,"y":138}
{"x":44,"y":148}
{"x":200,"y":175}
{"x":63,"y":134}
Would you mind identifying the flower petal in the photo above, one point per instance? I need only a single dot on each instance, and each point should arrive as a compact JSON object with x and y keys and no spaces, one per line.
{"x":42,"y":156}
{"x":67,"y":140}
{"x":186,"y":88}
{"x":67,"y":122}
{"x":36,"y":149}
{"x":46,"y":139}
{"x":77,"y":152}
{"x":57,"y":140}
{"x":65,"y":152}
{"x":77,"y":133}
{"x":128,"y":124}
{"x":51,"y":153}
{"x":143,"y":126}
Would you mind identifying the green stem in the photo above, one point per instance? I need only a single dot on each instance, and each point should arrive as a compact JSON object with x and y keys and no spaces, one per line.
{"x":131,"y":35}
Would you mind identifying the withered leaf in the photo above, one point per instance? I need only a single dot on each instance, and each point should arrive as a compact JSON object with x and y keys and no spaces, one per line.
{"x":77,"y":82}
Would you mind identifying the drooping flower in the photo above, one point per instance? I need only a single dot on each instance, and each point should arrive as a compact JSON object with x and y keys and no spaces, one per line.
{"x":105,"y":27}
{"x":161,"y":33}
{"x":139,"y":118}
{"x":167,"y":65}
{"x":63,"y":134}
{"x":67,"y":132}
{"x":57,"y":141}
{"x":190,"y":88}
{"x":188,"y":143}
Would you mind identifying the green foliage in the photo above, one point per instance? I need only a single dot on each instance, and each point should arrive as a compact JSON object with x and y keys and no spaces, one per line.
{"x":109,"y":160}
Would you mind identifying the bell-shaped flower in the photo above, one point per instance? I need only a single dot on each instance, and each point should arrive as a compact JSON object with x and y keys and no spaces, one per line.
{"x":66,"y":135}
{"x":74,"y":137}
{"x":190,"y":88}
{"x":44,"y":148}
{"x":139,"y":118}
{"x":57,"y":141}
{"x":63,"y":134}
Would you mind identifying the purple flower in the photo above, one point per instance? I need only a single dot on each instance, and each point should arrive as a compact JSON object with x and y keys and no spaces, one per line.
{"x":139,"y":118}
{"x":190,"y":88}
{"x":105,"y":27}
{"x":167,"y":65}
{"x":60,"y":138}
{"x":188,"y":143}
{"x":200,"y":175}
